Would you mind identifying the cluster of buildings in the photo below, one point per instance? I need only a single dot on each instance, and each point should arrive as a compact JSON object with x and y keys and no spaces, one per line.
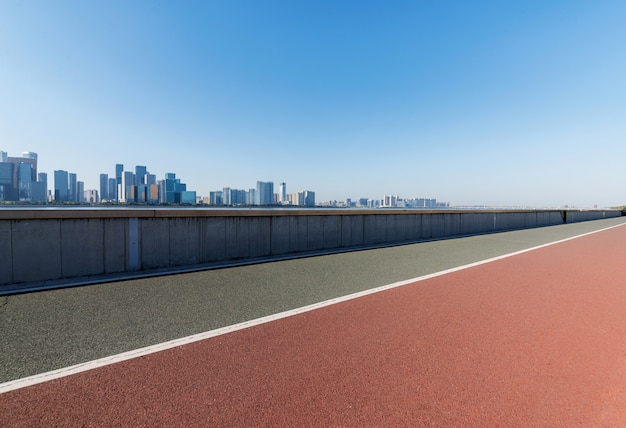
{"x":389,"y":201}
{"x":20,"y":181}
{"x":263,"y":194}
{"x":142,"y":187}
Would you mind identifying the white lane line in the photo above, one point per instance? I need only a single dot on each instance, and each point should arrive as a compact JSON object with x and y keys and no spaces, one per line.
{"x":101,"y":362}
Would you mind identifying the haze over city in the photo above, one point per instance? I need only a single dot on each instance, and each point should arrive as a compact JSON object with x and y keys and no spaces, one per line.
{"x":475,"y":103}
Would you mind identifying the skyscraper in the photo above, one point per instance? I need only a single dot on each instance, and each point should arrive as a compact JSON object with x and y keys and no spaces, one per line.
{"x":39,"y":189}
{"x":80,"y":191}
{"x":126,"y":187}
{"x":61,"y":186}
{"x":73,"y":189}
{"x":140,"y":175}
{"x":283,"y":193}
{"x":6,"y":181}
{"x":29,"y":158}
{"x":104,"y":186}
{"x":24,"y":180}
{"x":264,"y":193}
{"x":112,"y":189}
{"x":119,"y":170}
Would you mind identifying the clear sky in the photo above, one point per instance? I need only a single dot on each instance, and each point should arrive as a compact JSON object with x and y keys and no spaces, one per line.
{"x":518,"y":103}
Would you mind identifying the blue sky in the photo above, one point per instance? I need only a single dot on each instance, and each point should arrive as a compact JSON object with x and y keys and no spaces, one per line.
{"x":471,"y":102}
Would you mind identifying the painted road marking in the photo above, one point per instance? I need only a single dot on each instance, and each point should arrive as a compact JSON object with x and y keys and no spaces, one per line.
{"x":101,"y":362}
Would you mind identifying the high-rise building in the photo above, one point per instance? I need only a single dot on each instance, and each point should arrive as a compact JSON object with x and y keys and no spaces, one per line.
{"x":140,"y":175}
{"x":91,"y":196}
{"x":264,"y":193}
{"x":80,"y":191}
{"x":282,"y":191}
{"x":73,"y":189}
{"x":104,"y":186}
{"x":24,"y":180}
{"x":4,"y":156}
{"x":126,"y":187}
{"x":309,"y":198}
{"x":112,"y":189}
{"x":119,"y":171}
{"x":216,"y":198}
{"x":39,"y":189}
{"x":19,"y":175}
{"x":61,"y":186}
{"x":6,"y":181}
{"x":153,"y":193}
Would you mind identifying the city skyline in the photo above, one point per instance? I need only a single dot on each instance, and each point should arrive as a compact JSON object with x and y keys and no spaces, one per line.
{"x":481,"y":103}
{"x":21,"y":182}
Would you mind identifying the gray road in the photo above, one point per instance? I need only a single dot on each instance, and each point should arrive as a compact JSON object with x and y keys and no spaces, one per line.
{"x":48,"y":330}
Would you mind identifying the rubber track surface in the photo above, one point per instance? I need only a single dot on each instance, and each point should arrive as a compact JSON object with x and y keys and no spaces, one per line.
{"x":538,"y":339}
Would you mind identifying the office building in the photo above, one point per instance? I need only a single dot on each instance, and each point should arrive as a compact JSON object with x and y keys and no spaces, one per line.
{"x":39,"y":189}
{"x":91,"y":196}
{"x":126,"y":187}
{"x":104,"y":186}
{"x":264,"y":193}
{"x":216,"y":198}
{"x":80,"y":191}
{"x":6,"y":181}
{"x":24,"y":172}
{"x":73,"y":190}
{"x":140,"y":175}
{"x":24,"y":180}
{"x":61,"y":186}
{"x":112,"y":192}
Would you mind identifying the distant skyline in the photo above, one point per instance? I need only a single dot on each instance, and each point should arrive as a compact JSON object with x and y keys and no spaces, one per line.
{"x":475,"y":103}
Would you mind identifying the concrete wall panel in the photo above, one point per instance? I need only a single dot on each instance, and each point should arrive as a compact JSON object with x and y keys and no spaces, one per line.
{"x":259,"y":242}
{"x":185,"y":236}
{"x":214,"y":239}
{"x":332,"y":231}
{"x":298,"y":233}
{"x":315,"y":233}
{"x":82,"y":247}
{"x":438,"y":225}
{"x":237,"y":238}
{"x":382,"y":228}
{"x":155,"y":242}
{"x":356,"y":227}
{"x":369,"y":229}
{"x":6,"y":258}
{"x":114,"y":238}
{"x":415,"y":227}
{"x":36,"y":250}
{"x":280,"y":235}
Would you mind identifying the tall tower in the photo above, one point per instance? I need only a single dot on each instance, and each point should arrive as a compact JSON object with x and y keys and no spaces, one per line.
{"x":119,"y":171}
{"x":104,"y":186}
{"x":264,"y":193}
{"x":61,"y":186}
{"x":283,"y":193}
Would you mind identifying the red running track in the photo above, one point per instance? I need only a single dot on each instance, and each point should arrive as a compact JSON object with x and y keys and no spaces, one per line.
{"x":538,"y":339}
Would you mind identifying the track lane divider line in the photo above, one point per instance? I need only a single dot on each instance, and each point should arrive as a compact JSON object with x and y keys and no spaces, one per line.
{"x":151,"y":349}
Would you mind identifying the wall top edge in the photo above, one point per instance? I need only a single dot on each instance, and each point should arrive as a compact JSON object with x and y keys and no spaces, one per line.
{"x":30,"y":214}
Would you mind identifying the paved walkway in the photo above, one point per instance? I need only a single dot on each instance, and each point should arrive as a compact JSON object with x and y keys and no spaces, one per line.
{"x":532,"y":339}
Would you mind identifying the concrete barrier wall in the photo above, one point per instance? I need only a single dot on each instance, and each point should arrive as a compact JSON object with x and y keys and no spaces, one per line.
{"x":41,"y":245}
